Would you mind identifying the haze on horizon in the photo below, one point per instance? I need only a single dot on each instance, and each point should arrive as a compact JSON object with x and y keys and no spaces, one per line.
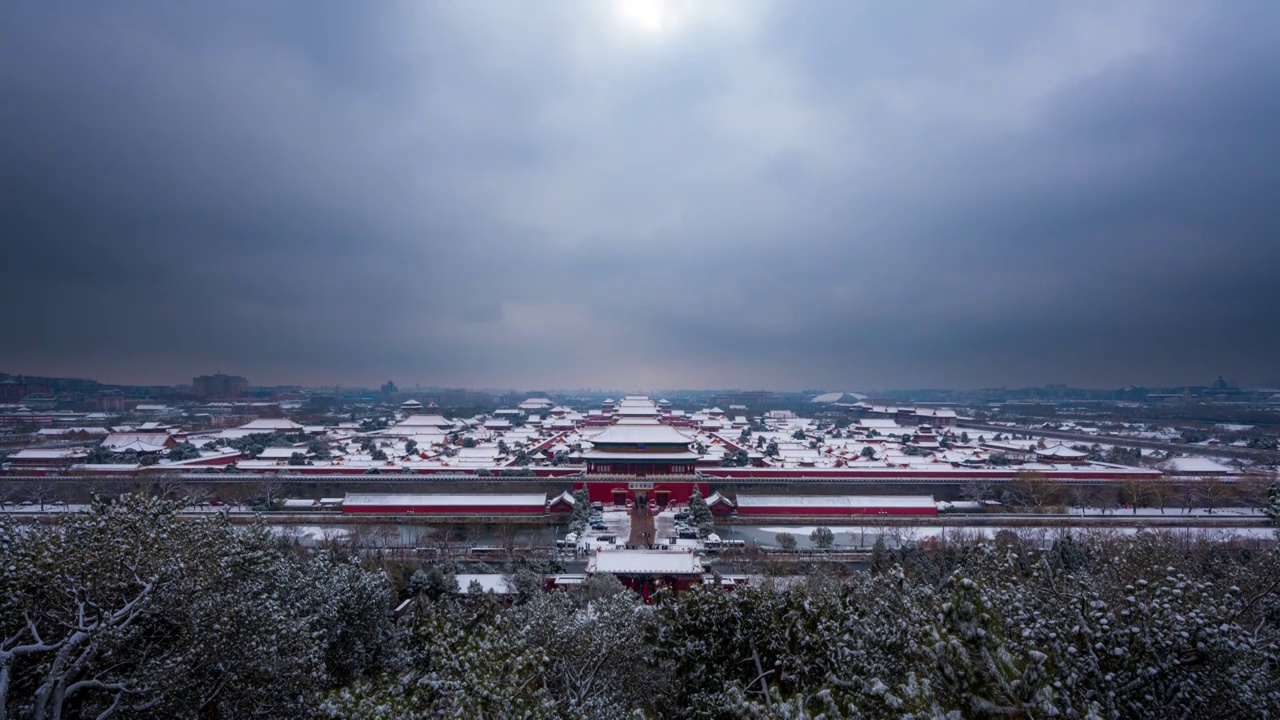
{"x":642,"y":193}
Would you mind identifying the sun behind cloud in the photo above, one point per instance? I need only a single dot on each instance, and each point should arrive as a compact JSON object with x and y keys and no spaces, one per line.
{"x":650,"y":17}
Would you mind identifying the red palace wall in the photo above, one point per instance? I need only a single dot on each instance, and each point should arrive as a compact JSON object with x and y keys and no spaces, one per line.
{"x":601,"y":491}
{"x":873,"y":474}
{"x":678,"y":583}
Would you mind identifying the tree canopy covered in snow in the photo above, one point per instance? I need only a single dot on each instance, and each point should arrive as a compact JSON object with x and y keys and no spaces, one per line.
{"x":128,"y":611}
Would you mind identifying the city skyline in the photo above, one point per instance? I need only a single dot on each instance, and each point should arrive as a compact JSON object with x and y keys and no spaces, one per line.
{"x":643,"y":193}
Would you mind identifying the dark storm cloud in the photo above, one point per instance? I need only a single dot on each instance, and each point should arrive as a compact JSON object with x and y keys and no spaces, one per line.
{"x":648,"y":193}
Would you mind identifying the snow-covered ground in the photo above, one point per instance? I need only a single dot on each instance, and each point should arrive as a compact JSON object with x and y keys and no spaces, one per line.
{"x":312,"y":535}
{"x":617,"y":524}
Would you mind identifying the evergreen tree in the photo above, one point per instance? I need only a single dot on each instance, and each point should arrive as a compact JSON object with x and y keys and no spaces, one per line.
{"x":581,"y":512}
{"x":879,"y":555}
{"x":319,"y":449}
{"x":183,"y":451}
{"x":700,"y":514}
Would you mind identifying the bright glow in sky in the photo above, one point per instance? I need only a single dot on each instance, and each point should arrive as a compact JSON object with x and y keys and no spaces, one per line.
{"x":651,"y":17}
{"x":644,"y":15}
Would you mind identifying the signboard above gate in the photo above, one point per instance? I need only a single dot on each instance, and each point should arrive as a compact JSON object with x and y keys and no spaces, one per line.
{"x":640,"y":486}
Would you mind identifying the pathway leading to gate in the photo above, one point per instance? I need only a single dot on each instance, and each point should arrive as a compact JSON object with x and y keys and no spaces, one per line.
{"x":642,"y":526}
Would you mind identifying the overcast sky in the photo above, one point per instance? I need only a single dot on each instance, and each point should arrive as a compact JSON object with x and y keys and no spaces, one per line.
{"x":642,"y":193}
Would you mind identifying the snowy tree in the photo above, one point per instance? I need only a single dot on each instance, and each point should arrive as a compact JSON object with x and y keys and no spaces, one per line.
{"x":472,"y":661}
{"x":525,"y":582}
{"x":183,"y":451}
{"x":600,"y":586}
{"x":822,"y":538}
{"x":350,"y":608}
{"x":581,"y":512}
{"x":433,"y":583}
{"x":700,"y":514}
{"x":785,"y":541}
{"x":879,"y":555}
{"x":129,"y":610}
{"x":1272,"y":508}
{"x":594,"y":669}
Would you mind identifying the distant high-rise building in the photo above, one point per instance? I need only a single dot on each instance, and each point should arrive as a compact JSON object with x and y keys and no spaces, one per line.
{"x":219,"y":385}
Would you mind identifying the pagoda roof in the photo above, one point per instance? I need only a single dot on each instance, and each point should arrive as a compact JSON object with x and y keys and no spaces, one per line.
{"x":641,"y":456}
{"x":645,"y":562}
{"x":656,"y":434}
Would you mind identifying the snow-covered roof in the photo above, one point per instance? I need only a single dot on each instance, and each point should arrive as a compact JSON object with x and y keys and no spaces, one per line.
{"x":836,"y":501}
{"x":125,"y":441}
{"x":647,"y":562}
{"x":378,"y":499}
{"x":109,"y":468}
{"x":655,"y":456}
{"x":138,"y":446}
{"x":488,"y":582}
{"x":1198,"y":466}
{"x":1060,"y":451}
{"x":566,"y":497}
{"x":73,"y":431}
{"x":717,"y":499}
{"x":655,"y":434}
{"x":48,"y":454}
{"x":271,"y":425}
{"x":282,"y":453}
{"x":425,"y":421}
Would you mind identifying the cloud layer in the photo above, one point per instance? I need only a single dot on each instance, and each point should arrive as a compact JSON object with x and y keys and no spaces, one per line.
{"x":644,"y":193}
